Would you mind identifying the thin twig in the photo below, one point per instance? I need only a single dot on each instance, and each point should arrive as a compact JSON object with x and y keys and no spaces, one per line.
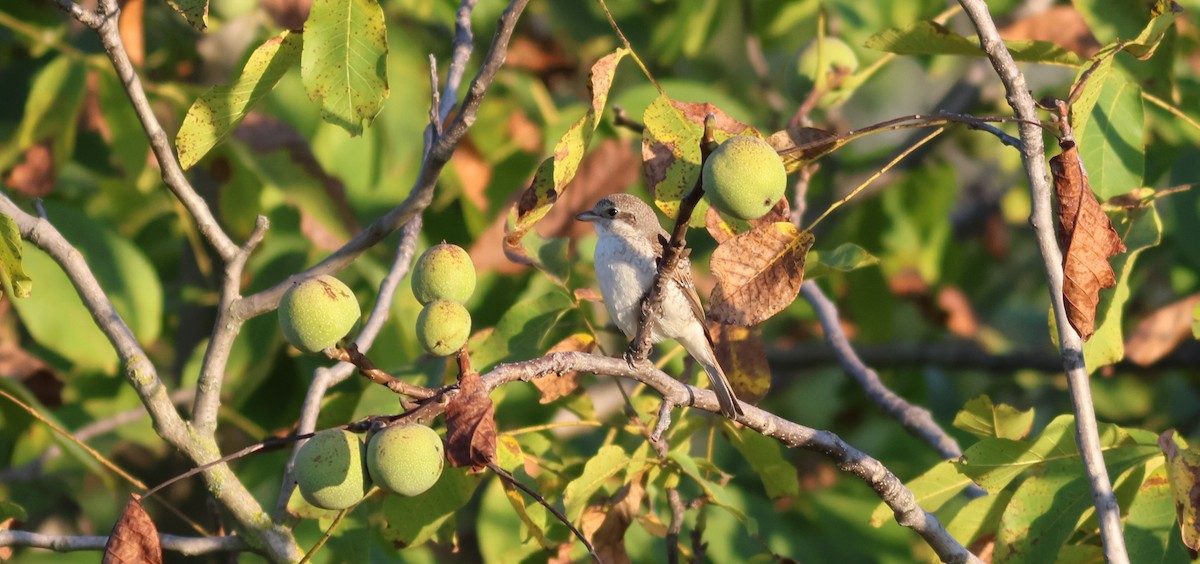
{"x":676,"y":526}
{"x":1034,"y":157}
{"x":188,"y":546}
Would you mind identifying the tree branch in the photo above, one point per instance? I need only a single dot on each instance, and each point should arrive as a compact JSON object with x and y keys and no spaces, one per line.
{"x":188,"y":546}
{"x":1034,"y":157}
{"x":916,"y":420}
{"x":889,"y":488}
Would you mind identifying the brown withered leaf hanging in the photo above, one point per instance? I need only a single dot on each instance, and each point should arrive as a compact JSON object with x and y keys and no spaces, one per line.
{"x":741,"y":352}
{"x":134,"y":539}
{"x":758,"y":273}
{"x":471,"y":425}
{"x":1087,"y":239}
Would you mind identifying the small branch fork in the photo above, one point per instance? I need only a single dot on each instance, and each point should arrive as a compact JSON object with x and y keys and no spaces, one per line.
{"x":1034,"y":156}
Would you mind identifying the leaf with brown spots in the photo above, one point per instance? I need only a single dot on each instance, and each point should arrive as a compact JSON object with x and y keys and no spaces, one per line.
{"x":556,"y":386}
{"x":134,"y":539}
{"x":1183,"y":471}
{"x":1087,"y":239}
{"x":471,"y":425}
{"x":741,"y":352}
{"x":671,"y":149}
{"x":758,"y":273}
{"x":1160,"y":332}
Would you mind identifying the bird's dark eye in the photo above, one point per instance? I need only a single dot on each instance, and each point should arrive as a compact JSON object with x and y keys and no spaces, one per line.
{"x":612,"y":212}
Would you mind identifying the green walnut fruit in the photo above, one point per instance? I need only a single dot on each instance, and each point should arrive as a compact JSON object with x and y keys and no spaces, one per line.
{"x":443,"y":327}
{"x":744,"y":177}
{"x":817,"y":59}
{"x":444,"y":272}
{"x":330,"y":471}
{"x":315,"y":313}
{"x":405,"y":459}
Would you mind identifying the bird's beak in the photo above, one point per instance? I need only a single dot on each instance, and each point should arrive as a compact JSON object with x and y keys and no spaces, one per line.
{"x":588,"y":216}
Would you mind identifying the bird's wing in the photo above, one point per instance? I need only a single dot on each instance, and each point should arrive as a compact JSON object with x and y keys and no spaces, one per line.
{"x":683,"y":277}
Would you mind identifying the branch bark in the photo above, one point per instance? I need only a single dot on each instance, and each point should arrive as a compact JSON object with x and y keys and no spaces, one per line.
{"x":1034,"y":157}
{"x":188,"y":546}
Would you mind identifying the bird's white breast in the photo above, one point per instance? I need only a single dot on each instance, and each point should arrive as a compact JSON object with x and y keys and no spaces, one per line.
{"x":625,"y":273}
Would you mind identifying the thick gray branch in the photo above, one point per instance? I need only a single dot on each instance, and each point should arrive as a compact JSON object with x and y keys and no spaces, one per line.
{"x":1034,"y":156}
{"x":188,"y":546}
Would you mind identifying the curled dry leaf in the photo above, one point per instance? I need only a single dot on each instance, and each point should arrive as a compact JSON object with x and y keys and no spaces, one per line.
{"x":758,"y":273}
{"x":471,"y":425}
{"x":798,"y":146}
{"x":605,"y":526}
{"x":1087,"y":238}
{"x":555,"y":386}
{"x":741,"y":353}
{"x":134,"y":539}
{"x":1159,"y":334}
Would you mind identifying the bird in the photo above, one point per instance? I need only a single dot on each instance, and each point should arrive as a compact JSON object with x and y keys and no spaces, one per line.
{"x":629,"y":246}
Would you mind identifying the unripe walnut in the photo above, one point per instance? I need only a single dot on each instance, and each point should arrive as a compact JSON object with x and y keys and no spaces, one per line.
{"x":443,"y":327}
{"x":315,"y":313}
{"x":405,"y":459}
{"x":329,"y":470}
{"x":816,"y":60}
{"x":444,"y":272}
{"x":744,"y":177}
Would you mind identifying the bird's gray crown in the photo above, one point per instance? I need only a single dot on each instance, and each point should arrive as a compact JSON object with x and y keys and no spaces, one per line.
{"x":624,"y":215}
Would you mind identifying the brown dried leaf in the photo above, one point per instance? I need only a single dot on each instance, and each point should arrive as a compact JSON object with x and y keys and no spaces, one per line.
{"x":605,"y":527}
{"x":556,"y":386}
{"x":471,"y":425}
{"x":758,"y":273}
{"x":798,"y":146}
{"x":34,"y":176}
{"x":960,"y":316}
{"x":741,"y":352}
{"x":134,"y":539}
{"x":588,"y":295}
{"x":722,"y":228}
{"x":1087,"y":239}
{"x":288,"y":14}
{"x":717,"y":227}
{"x":473,"y":171}
{"x":130,"y":26}
{"x":1061,"y":25}
{"x":1160,"y":332}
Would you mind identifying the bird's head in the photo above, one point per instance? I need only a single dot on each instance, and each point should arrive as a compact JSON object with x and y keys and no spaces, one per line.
{"x":623,"y":215}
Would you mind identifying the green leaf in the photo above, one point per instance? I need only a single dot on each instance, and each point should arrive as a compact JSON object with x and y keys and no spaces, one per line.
{"x":715,"y":492}
{"x":51,"y":111}
{"x":1183,"y":472}
{"x":979,"y":517}
{"x":12,"y":275}
{"x":56,"y":317}
{"x":1111,"y":133}
{"x":527,"y":330}
{"x":414,"y":520}
{"x":10,"y":510}
{"x":608,"y":462}
{"x":1196,"y":322}
{"x":194,"y":11}
{"x":1163,"y":18}
{"x":931,"y":38}
{"x":1150,"y":527}
{"x":1114,"y":20}
{"x":983,"y":419}
{"x":932,"y":490}
{"x":343,"y":64}
{"x":765,"y":456}
{"x":845,"y":258}
{"x":1140,"y":229}
{"x":213,"y":117}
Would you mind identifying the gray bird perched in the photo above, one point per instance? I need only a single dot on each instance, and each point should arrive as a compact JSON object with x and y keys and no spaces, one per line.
{"x":630,"y":244}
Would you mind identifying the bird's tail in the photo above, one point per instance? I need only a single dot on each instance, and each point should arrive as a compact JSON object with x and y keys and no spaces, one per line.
{"x":720,"y":386}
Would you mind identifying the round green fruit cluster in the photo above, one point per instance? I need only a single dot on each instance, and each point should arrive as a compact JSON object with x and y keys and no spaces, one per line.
{"x":315,"y":313}
{"x":443,"y":279}
{"x":330,"y":470}
{"x":744,"y":177}
{"x":405,"y":459}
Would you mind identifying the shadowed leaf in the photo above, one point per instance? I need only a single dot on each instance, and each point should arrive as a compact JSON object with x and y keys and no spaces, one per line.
{"x":765,"y":455}
{"x":1087,"y":239}
{"x":194,"y":11}
{"x":12,"y":275}
{"x":607,"y":462}
{"x":759,"y":273}
{"x":471,"y":425}
{"x":930,"y":38}
{"x":671,"y":149}
{"x":1183,"y":471}
{"x":214,"y":115}
{"x":134,"y":539}
{"x":741,"y":353}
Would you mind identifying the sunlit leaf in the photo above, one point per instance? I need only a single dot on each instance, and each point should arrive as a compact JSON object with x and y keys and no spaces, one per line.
{"x":12,"y":275}
{"x":931,"y":490}
{"x":983,"y":419}
{"x":759,"y":273}
{"x":343,"y":63}
{"x":609,"y":461}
